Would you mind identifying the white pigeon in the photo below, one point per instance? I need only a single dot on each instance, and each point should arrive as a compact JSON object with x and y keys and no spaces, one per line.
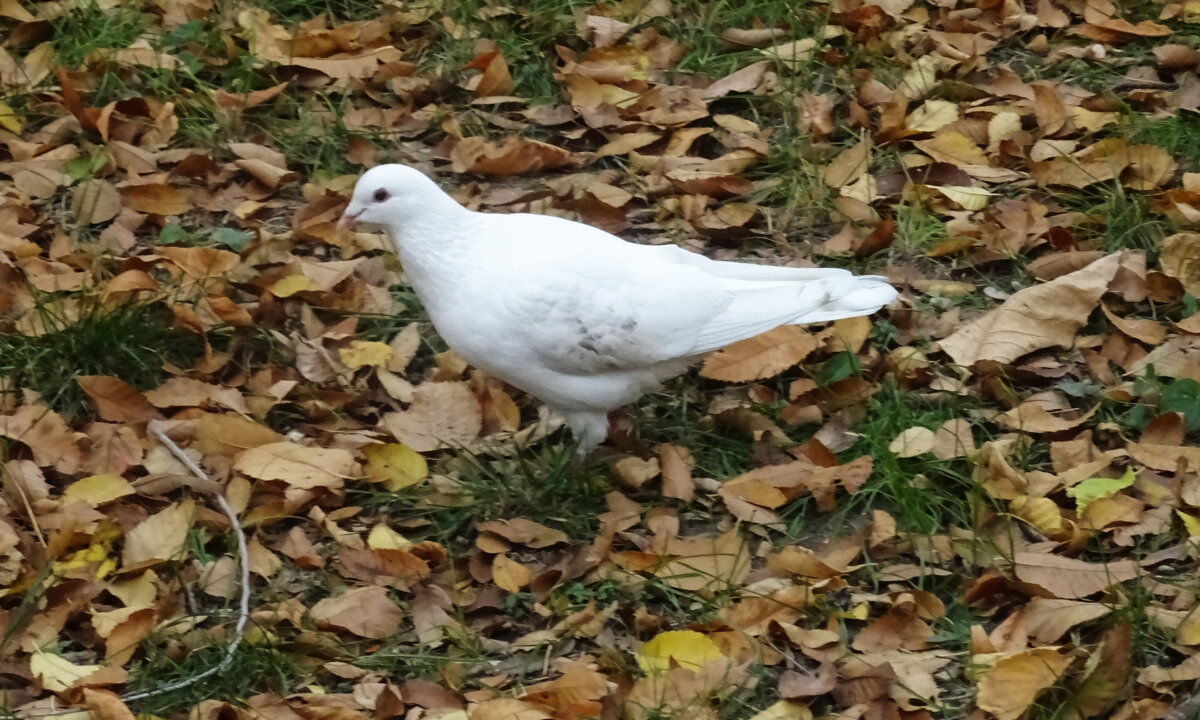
{"x":577,"y":317}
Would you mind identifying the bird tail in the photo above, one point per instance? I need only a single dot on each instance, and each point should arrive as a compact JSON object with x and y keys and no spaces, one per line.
{"x":761,"y":306}
{"x":856,"y":296}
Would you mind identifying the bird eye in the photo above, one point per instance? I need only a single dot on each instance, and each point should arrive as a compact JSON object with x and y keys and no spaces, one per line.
{"x":381,"y":195}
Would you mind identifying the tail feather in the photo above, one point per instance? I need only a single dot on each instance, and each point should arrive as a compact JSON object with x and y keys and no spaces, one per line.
{"x":761,"y":306}
{"x":868,"y":295}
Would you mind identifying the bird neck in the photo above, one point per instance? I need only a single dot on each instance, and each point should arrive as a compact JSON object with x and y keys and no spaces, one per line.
{"x":431,"y":243}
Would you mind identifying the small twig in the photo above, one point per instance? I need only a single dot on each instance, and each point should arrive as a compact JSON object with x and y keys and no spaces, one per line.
{"x":243,"y":617}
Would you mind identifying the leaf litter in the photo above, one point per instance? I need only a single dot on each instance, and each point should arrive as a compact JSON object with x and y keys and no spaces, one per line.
{"x":979,"y":503}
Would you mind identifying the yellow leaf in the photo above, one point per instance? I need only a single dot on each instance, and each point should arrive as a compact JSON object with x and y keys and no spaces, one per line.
{"x":1042,"y":513}
{"x":383,"y":537}
{"x":933,"y":115}
{"x":1092,"y":489}
{"x":96,"y":490}
{"x":396,"y":465}
{"x":56,"y":672}
{"x":1188,"y":632}
{"x":9,"y":120}
{"x":291,"y":285}
{"x":95,"y":554}
{"x":968,"y":198}
{"x":687,"y":648}
{"x":784,"y":710}
{"x":509,"y":574}
{"x":858,"y":612}
{"x":362,"y":353}
{"x":1191,"y":523}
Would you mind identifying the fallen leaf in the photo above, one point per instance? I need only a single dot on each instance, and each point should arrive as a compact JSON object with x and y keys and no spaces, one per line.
{"x":297,"y":465}
{"x":159,"y":537}
{"x":509,"y":575}
{"x":1034,"y":318}
{"x":395,"y":465}
{"x":1095,"y":488}
{"x":364,"y":611}
{"x":1012,"y":685}
{"x":1070,"y":578}
{"x":761,"y":356}
{"x":686,"y":648}
{"x":55,"y":672}
{"x":96,"y":490}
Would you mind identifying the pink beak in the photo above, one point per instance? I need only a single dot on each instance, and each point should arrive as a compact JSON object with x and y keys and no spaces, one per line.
{"x":347,"y":220}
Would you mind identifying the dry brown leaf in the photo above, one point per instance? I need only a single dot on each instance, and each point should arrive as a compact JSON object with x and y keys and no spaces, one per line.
{"x":1034,"y":318}
{"x":442,"y":415}
{"x":761,"y":356}
{"x":160,"y":536}
{"x":677,"y":463}
{"x":1048,"y":619}
{"x":115,"y":400}
{"x":95,"y":201}
{"x":45,"y":433}
{"x":1069,"y":578}
{"x":105,"y":705}
{"x":155,"y":198}
{"x":1013,"y":683}
{"x":849,"y":165}
{"x":299,"y":466}
{"x":1180,"y":259}
{"x":365,"y":611}
{"x":953,"y":148}
{"x":524,"y":532}
{"x":1032,"y":417}
{"x":913,"y":442}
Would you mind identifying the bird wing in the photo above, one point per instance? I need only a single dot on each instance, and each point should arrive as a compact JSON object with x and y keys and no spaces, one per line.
{"x":588,"y":302}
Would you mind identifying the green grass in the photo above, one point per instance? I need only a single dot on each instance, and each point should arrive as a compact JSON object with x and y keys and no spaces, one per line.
{"x":923,"y":493}
{"x":1178,"y":135}
{"x":543,"y":483}
{"x":1116,"y":218}
{"x":300,"y":10}
{"x":255,"y":669}
{"x":84,"y":28}
{"x":917,"y":228}
{"x":132,"y":342}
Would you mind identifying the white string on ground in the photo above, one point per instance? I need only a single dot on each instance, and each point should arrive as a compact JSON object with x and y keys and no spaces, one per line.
{"x":243,"y":617}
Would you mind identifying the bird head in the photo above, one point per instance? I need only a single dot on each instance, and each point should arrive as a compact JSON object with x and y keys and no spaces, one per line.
{"x":391,"y":195}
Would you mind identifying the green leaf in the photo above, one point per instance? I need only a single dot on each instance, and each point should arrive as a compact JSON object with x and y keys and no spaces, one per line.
{"x":235,"y":240}
{"x":1092,"y":489}
{"x":171,"y":234}
{"x":1183,"y":397}
{"x":839,"y":367}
